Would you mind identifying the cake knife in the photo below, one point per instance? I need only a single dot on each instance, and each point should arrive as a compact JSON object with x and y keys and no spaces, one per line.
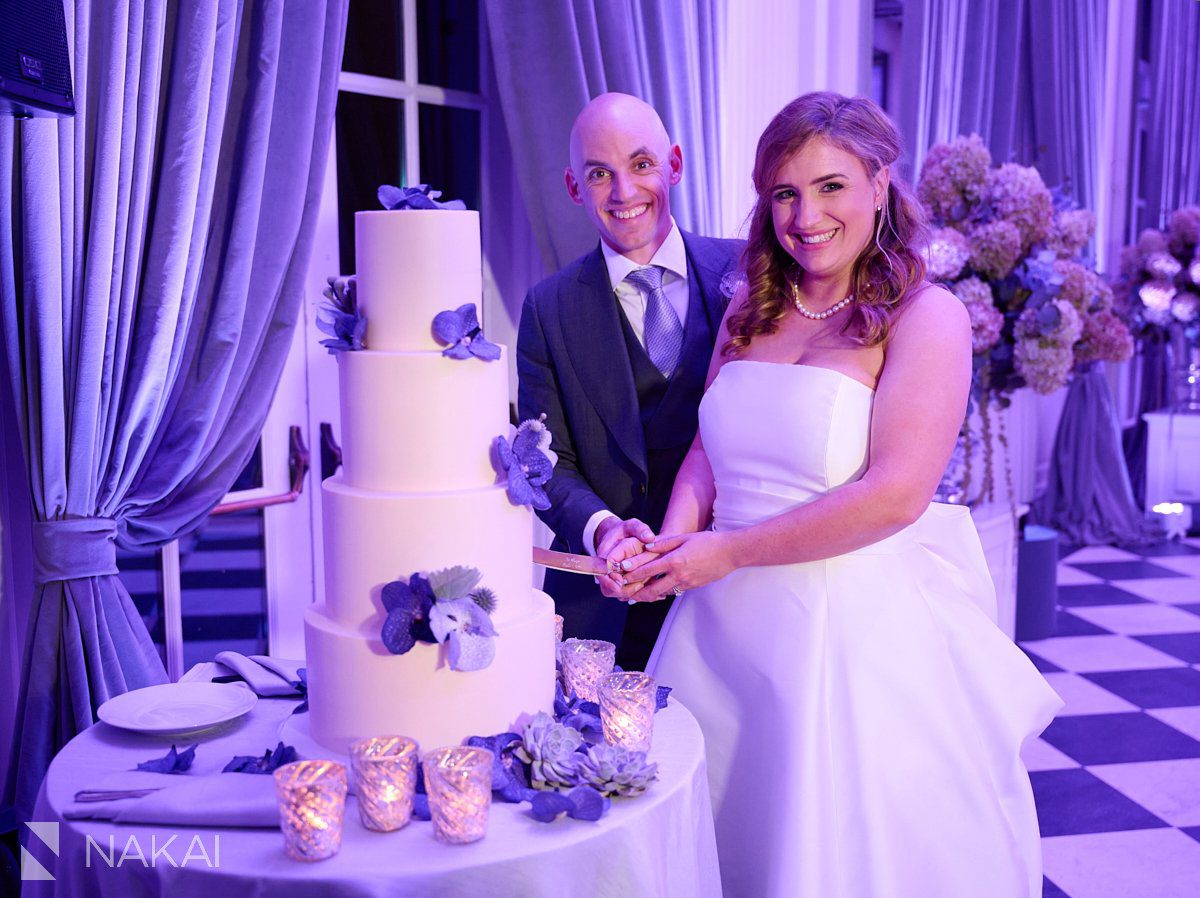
{"x":565,"y":561}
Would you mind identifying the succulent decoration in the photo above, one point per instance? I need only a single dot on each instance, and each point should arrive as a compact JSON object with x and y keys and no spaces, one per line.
{"x":339,"y":316}
{"x":527,"y":463}
{"x":448,"y":606}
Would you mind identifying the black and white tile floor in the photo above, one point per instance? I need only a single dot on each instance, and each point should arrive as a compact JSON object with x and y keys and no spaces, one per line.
{"x":1117,"y":774}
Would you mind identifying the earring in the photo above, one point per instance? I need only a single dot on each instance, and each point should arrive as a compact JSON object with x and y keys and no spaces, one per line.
{"x":879,"y":208}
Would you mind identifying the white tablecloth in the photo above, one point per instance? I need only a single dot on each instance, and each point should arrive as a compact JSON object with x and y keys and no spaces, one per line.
{"x":658,"y":844}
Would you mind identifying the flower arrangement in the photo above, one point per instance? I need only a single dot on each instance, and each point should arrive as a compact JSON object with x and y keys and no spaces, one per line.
{"x":1159,"y":282}
{"x":339,"y":316}
{"x":459,"y":331}
{"x":1013,"y":253}
{"x":445,"y":606}
{"x":526,"y":463}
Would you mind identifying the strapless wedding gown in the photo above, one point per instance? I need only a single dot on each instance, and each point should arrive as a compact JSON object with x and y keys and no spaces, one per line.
{"x":863,"y":715}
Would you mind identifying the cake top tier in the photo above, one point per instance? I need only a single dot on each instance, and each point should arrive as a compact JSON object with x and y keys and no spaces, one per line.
{"x":412,"y":264}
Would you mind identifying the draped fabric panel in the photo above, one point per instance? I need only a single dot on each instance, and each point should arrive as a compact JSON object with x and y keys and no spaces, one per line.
{"x":552,"y":57}
{"x":1089,"y":498}
{"x":160,"y":237}
{"x":1171,"y":172}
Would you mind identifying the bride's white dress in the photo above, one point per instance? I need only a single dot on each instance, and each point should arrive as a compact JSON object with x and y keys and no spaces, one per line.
{"x":863,"y":715}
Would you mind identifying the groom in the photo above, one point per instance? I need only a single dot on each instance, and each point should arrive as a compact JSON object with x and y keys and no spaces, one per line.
{"x":614,"y":348}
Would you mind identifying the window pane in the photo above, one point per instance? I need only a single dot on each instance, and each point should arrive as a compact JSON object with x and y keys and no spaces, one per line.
{"x":222,"y":572}
{"x":374,"y":39}
{"x":251,"y":477}
{"x":141,"y":572}
{"x":370,"y":152}
{"x":448,"y":43}
{"x":450,"y":152}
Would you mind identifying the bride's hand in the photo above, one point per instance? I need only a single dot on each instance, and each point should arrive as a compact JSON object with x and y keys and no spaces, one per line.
{"x":685,"y":562}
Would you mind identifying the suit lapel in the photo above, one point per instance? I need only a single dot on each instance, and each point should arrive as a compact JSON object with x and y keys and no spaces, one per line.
{"x":709,"y":269}
{"x":591,"y":330}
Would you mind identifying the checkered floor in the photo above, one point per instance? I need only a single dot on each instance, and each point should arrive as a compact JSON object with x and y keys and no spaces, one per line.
{"x":1117,"y":774}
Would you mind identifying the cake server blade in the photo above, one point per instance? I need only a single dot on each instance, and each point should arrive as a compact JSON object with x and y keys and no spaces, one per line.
{"x":565,"y":561}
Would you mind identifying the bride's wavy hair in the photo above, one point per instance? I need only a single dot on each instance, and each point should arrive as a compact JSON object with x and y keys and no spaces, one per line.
{"x":887,"y":270}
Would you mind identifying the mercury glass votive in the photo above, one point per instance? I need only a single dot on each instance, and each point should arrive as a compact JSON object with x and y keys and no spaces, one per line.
{"x":385,"y":777}
{"x":627,"y":703}
{"x":584,"y":662}
{"x":312,"y":803}
{"x":558,"y":625}
{"x":458,"y":780}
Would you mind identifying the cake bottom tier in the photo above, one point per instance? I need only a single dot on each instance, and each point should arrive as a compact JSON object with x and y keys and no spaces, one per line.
{"x":357,"y":688}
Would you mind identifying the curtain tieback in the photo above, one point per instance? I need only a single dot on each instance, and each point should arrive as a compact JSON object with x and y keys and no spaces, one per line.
{"x":74,"y":548}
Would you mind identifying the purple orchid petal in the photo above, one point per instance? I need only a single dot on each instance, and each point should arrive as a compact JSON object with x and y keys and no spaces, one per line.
{"x":501,"y":454}
{"x":457,"y":351}
{"x":469,"y":315}
{"x":539,"y":498}
{"x":587,"y":804}
{"x":520,"y":492}
{"x":397,"y":632}
{"x":398,"y":594}
{"x":470,"y":652}
{"x":538,"y":469}
{"x":449,"y":327}
{"x":484,"y":349}
{"x":545,"y":807}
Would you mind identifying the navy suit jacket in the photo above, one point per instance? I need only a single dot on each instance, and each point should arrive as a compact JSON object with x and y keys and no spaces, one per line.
{"x":574,"y":366}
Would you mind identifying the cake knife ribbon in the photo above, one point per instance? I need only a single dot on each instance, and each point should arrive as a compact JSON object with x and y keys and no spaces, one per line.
{"x":565,"y":561}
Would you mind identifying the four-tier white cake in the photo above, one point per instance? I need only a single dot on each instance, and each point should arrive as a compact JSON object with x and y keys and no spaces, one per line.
{"x":418,"y":493}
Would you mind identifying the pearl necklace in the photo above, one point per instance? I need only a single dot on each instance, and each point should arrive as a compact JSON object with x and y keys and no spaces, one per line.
{"x":818,"y":316}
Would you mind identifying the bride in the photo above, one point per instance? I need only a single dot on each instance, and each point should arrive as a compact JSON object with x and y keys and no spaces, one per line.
{"x":862,"y":713}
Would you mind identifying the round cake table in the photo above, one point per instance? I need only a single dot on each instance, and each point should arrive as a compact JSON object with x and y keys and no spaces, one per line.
{"x":658,"y":844}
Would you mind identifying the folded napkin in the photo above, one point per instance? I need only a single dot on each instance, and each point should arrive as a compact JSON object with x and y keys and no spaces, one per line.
{"x":213,"y":799}
{"x":267,"y":676}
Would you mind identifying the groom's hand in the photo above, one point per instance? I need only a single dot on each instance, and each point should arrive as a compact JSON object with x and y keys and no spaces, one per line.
{"x":612,"y":531}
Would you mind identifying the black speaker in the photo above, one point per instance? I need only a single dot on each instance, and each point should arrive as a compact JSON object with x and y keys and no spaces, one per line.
{"x":35,"y":65}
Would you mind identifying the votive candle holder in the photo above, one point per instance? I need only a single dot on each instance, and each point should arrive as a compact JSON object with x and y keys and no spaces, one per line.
{"x":312,"y":804}
{"x":385,"y":778}
{"x":458,"y":780}
{"x":558,"y":628}
{"x":584,"y":662}
{"x":627,"y":704}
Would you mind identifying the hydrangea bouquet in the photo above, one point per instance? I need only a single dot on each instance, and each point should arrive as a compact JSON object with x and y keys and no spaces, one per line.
{"x":1159,"y":288}
{"x":1013,"y":252}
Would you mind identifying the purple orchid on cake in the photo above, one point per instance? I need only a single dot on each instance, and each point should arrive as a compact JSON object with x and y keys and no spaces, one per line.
{"x":448,"y":606}
{"x":459,"y":331}
{"x":340,"y":317}
{"x":420,"y":196}
{"x":527,"y":463}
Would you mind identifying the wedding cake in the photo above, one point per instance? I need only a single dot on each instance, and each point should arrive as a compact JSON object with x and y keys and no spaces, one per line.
{"x":418,"y":493}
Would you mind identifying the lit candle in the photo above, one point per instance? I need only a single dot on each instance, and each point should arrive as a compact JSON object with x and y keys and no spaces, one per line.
{"x":584,"y":663}
{"x":312,"y":802}
{"x":385,"y":776}
{"x":627,"y":704}
{"x":458,"y":780}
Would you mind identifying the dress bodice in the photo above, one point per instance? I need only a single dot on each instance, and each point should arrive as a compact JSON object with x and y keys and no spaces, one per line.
{"x":779,"y":435}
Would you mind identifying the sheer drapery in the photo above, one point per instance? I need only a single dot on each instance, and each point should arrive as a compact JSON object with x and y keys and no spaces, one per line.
{"x":161,"y":239}
{"x":552,"y":57}
{"x":1171,"y":171}
{"x":1025,"y":75}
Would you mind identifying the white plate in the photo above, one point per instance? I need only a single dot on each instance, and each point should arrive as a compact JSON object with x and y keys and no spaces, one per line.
{"x":177,"y":707}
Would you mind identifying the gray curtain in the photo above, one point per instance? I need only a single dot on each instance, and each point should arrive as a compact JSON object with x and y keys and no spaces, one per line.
{"x":1171,"y":157}
{"x":160,"y":240}
{"x":552,"y":56}
{"x":1025,"y":75}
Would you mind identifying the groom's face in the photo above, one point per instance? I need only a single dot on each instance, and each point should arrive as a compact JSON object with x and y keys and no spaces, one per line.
{"x":622,"y":169}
